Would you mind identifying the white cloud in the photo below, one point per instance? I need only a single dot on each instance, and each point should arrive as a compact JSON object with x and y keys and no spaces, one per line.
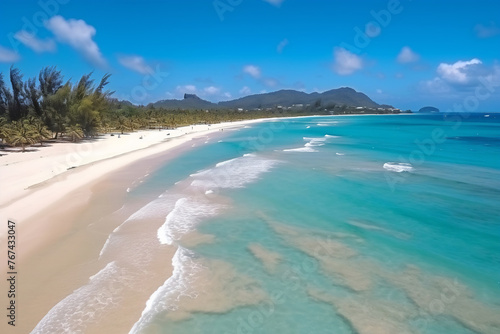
{"x":276,"y":3}
{"x":488,"y":31}
{"x":37,"y":45}
{"x":462,"y":76}
{"x":211,"y":90}
{"x":227,"y":95}
{"x":253,"y":70}
{"x":345,"y":62}
{"x":135,"y":63}
{"x":8,"y":56}
{"x":189,"y":89}
{"x":78,"y":34}
{"x":256,"y":73}
{"x":282,"y":45}
{"x":459,"y":72}
{"x":245,"y":90}
{"x":406,"y":55}
{"x":379,"y":91}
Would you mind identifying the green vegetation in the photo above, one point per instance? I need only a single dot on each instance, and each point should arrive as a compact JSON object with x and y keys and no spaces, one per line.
{"x":47,"y":108}
{"x":36,"y":110}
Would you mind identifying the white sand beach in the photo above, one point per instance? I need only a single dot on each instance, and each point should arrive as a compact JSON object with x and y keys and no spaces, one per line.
{"x":43,"y":175}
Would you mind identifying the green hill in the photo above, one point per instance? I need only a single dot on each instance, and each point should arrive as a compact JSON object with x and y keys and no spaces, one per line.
{"x":285,"y":98}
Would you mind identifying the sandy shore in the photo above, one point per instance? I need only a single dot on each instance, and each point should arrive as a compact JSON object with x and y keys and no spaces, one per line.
{"x":32,"y":180}
{"x":47,"y":192}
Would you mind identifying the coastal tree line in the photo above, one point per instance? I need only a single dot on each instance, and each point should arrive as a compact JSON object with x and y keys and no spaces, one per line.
{"x":46,"y":107}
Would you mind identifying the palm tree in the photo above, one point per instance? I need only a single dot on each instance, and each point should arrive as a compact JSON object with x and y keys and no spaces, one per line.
{"x":17,"y":108}
{"x":41,"y":131}
{"x":5,"y":129}
{"x":105,"y":127}
{"x":122,"y":124}
{"x":75,"y":132}
{"x":22,"y":134}
{"x":132,"y":124}
{"x":55,"y":109}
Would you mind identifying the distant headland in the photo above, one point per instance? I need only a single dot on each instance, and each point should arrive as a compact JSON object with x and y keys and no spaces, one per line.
{"x":429,"y":109}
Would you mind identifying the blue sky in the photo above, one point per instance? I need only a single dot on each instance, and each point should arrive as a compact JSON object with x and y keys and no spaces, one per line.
{"x":405,"y":53}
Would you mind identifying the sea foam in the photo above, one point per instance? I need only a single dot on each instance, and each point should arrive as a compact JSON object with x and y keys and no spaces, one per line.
{"x":300,"y":149}
{"x":85,"y":305}
{"x":233,"y":173}
{"x":308,"y":147}
{"x":398,"y":167}
{"x":186,"y":215}
{"x":177,"y":284}
{"x":199,"y":285}
{"x":189,"y":211}
{"x":315,"y":141}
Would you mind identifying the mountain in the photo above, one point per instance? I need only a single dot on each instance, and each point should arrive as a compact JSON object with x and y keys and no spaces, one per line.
{"x":121,"y":103}
{"x":190,"y":101}
{"x":285,"y":98}
{"x":267,"y":100}
{"x":347,"y":96}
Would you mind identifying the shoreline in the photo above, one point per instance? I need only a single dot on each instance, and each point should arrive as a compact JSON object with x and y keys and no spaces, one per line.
{"x":55,"y":241}
{"x":58,"y":236}
{"x":30,"y":184}
{"x":25,"y":178}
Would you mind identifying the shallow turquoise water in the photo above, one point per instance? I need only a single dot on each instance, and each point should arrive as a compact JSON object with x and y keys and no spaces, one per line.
{"x":373,"y":224}
{"x":415,"y":243}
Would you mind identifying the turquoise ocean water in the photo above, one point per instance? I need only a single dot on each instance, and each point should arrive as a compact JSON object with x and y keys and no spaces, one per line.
{"x":372,"y":224}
